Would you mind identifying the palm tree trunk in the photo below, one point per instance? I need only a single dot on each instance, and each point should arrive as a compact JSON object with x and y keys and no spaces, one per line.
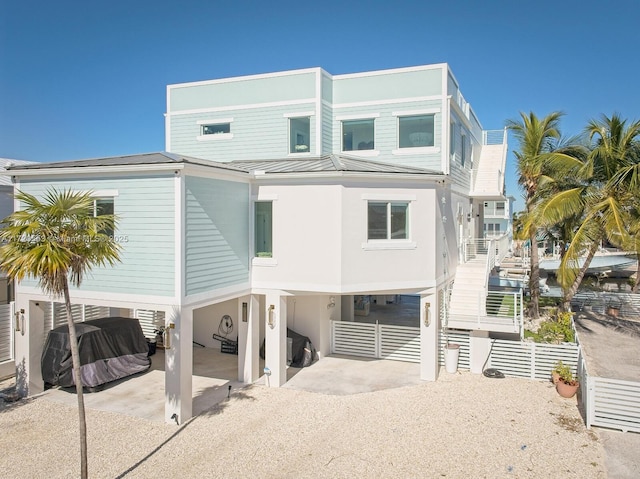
{"x":75,"y":357}
{"x":571,"y":292}
{"x":534,"y":280}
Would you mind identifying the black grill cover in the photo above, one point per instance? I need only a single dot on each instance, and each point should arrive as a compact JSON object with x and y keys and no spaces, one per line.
{"x":110,"y":349}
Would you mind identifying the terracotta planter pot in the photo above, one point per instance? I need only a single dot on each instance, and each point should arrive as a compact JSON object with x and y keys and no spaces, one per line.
{"x":566,"y":390}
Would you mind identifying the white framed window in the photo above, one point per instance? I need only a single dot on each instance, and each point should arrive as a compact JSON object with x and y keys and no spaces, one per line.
{"x":104,"y":206}
{"x":263,"y":229}
{"x":214,"y":129}
{"x":387,"y":220}
{"x":452,"y":138}
{"x":358,"y":134}
{"x":416,"y":131}
{"x":300,"y":135}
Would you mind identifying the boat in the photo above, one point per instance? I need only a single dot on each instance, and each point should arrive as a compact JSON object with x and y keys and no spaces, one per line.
{"x":603,"y":264}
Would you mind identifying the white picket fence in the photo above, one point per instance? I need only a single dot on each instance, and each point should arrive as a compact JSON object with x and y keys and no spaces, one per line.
{"x":382,"y":341}
{"x":608,"y":402}
{"x":531,"y":360}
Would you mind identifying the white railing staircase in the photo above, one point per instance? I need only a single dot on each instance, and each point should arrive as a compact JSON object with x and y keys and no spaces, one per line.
{"x":471,"y":304}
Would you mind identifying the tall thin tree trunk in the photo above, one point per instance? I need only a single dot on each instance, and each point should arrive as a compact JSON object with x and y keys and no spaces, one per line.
{"x":534,"y":280}
{"x":571,"y":292}
{"x":75,"y":357}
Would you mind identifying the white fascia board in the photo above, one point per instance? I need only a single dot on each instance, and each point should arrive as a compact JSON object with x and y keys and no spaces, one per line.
{"x":358,"y":116}
{"x":245,"y":77}
{"x":271,"y":104}
{"x":216,"y":121}
{"x":350,"y":175}
{"x":85,"y":296}
{"x":417,"y":111}
{"x":217,"y":296}
{"x":97,"y":170}
{"x":296,"y":114}
{"x":392,"y":71}
{"x":390,"y":101}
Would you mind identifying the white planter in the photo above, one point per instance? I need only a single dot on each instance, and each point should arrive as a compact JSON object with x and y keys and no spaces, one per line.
{"x":451,"y":356}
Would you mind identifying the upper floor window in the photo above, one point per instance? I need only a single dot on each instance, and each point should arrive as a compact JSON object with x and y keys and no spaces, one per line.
{"x":387,"y":220}
{"x":358,"y":135}
{"x":452,"y":138}
{"x":104,"y":206}
{"x":299,"y":135}
{"x":215,"y":129}
{"x":500,"y":206}
{"x":263,"y":229}
{"x":416,"y":131}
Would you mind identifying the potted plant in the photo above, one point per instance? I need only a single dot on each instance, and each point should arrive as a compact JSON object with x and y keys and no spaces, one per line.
{"x":567,"y":384}
{"x":555,"y":372}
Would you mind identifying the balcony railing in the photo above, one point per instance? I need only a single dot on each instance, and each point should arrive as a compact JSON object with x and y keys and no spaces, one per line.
{"x":494,"y":137}
{"x":498,"y":311}
{"x":495,"y":249}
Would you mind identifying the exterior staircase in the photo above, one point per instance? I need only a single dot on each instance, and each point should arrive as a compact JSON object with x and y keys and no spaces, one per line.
{"x":471,"y":305}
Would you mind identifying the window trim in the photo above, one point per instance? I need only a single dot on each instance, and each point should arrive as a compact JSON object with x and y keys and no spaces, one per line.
{"x":407,"y":149}
{"x":216,"y":136}
{"x":389,"y":243}
{"x":373,"y":151}
{"x":289,"y":132}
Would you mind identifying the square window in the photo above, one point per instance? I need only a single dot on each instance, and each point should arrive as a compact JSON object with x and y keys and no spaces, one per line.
{"x":299,"y":135}
{"x":416,"y":131}
{"x":387,"y":220}
{"x":358,"y":135}
{"x":215,"y":129}
{"x":263,"y":229}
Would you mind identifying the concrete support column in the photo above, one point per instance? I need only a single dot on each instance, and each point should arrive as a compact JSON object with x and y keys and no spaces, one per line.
{"x":276,"y":339}
{"x":178,"y":366}
{"x":29,"y":342}
{"x":429,"y":327}
{"x":248,"y":338}
{"x":479,"y":348}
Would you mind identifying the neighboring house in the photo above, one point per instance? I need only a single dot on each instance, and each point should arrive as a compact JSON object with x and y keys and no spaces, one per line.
{"x":285,"y":199}
{"x":498,"y":217}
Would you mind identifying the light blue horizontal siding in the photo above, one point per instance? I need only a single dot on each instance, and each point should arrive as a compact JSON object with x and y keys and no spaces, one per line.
{"x":145,"y":208}
{"x":386,"y":133}
{"x":217,"y":234}
{"x":388,"y":86}
{"x":243,"y":92}
{"x":258,"y":133}
{"x":327,"y":130}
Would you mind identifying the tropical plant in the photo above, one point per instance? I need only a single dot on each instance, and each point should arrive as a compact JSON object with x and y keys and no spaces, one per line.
{"x":57,"y":241}
{"x":602,"y":194}
{"x":565,"y":374}
{"x":535,"y":137}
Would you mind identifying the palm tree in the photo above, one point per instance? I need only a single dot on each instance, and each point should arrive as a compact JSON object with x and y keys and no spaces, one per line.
{"x":535,"y":137}
{"x":58,"y":241}
{"x":603,"y":195}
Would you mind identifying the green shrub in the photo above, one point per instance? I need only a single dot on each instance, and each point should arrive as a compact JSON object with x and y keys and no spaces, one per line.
{"x":557,"y":330}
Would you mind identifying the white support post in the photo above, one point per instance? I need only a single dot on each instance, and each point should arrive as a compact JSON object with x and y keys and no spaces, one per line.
{"x":178,"y":366}
{"x":275,"y":340}
{"x":429,"y":326}
{"x":248,"y":338}
{"x":28,"y":330}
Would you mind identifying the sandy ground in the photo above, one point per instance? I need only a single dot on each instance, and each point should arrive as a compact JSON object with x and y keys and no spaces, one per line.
{"x":462,"y":426}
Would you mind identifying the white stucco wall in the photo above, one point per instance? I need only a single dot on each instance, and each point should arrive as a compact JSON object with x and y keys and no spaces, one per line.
{"x":206,"y":321}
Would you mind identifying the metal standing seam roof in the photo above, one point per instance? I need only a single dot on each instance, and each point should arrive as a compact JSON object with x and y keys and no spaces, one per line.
{"x":329,"y":163}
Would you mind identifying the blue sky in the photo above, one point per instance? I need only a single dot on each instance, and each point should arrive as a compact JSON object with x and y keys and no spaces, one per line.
{"x":83,"y":79}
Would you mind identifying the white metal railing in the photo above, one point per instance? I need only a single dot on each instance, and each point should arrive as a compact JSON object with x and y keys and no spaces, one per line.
{"x":531,"y":360}
{"x":493,"y":311}
{"x":494,"y":137}
{"x":495,"y":247}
